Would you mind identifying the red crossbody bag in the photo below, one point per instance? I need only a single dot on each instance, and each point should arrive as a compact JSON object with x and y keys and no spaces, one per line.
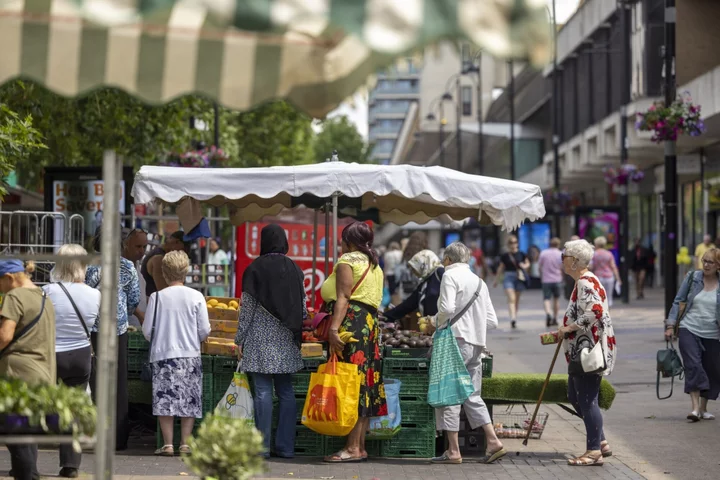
{"x":322,"y":321}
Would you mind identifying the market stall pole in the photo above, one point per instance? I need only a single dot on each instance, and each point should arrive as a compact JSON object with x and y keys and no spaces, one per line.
{"x":107,"y":333}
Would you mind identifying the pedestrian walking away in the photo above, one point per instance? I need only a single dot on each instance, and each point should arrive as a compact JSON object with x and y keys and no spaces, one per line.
{"x":551,"y":275}
{"x":604,"y":267}
{"x":588,"y":327}
{"x":698,"y":330}
{"x":514,"y":265}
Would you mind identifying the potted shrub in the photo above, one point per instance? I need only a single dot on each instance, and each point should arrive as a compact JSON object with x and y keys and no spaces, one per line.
{"x":226,"y":448}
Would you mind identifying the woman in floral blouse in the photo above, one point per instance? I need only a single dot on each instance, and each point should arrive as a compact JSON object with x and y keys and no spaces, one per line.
{"x":587,"y":314}
{"x":353,"y":294}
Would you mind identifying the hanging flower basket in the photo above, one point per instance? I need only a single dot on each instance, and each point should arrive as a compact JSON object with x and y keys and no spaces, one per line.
{"x":682,"y":117}
{"x":623,"y":175}
{"x":206,"y":157}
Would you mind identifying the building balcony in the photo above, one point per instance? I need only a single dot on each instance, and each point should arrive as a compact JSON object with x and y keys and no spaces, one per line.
{"x":394,"y":93}
{"x":379,"y":111}
{"x":384,"y":132}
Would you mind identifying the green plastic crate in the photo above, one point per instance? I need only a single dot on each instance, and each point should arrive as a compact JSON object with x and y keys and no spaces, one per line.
{"x":410,"y":443}
{"x":299,"y":402}
{"x":301,"y":382}
{"x":136,"y":341}
{"x":417,"y":415}
{"x":309,"y":443}
{"x":311,"y":364}
{"x":208,"y":393}
{"x":335,"y":444}
{"x":487,"y":367}
{"x":392,"y":367}
{"x":221,"y":382}
{"x":207,"y":363}
{"x":136,"y":360}
{"x":415,"y":386}
{"x":224,"y":364}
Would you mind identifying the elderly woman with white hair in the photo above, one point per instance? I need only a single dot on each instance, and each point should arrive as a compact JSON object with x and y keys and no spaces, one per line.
{"x":176,"y":323}
{"x":77,"y":308}
{"x":465,"y":307}
{"x":604,"y":267}
{"x":587,"y":323}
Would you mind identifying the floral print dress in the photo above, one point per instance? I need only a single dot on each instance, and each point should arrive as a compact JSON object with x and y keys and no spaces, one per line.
{"x":588,"y":308}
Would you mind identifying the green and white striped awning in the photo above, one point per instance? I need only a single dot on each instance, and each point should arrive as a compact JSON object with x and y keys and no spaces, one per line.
{"x":315,"y":53}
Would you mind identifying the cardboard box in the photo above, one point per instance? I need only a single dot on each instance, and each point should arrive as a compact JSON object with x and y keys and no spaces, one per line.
{"x":219,"y":346}
{"x":310,"y":350}
{"x":223,"y":335}
{"x":228,"y":326}
{"x":221,"y":313}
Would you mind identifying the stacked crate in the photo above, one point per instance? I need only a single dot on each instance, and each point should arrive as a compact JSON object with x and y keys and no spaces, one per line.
{"x":307,"y":442}
{"x":138,"y":352}
{"x":416,"y":438}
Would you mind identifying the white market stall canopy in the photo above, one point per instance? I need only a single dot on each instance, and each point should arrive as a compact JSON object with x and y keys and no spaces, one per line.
{"x":382,"y":193}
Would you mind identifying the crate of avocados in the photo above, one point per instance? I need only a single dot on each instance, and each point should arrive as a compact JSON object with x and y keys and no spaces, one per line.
{"x":223,"y":308}
{"x":395,"y":352}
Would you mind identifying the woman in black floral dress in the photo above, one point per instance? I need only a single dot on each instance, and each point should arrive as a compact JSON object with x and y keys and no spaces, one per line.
{"x":353,"y":294}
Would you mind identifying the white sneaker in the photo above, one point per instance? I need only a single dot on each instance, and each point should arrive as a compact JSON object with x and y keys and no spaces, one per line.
{"x":708,"y":416}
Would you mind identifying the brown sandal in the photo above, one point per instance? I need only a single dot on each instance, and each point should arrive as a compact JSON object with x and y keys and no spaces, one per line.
{"x":587,"y":459}
{"x":605,"y":449}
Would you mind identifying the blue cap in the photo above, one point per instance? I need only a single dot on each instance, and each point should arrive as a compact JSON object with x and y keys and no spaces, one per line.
{"x":11,"y":266}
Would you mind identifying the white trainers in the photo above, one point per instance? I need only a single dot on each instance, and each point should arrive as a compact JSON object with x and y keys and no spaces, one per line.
{"x":708,"y":416}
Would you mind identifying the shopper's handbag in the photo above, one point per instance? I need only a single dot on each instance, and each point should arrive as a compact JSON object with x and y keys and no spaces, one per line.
{"x":27,"y":328}
{"x":450,"y":382}
{"x":387,"y":426}
{"x":669,"y":365}
{"x":238,"y":401}
{"x":82,"y":322}
{"x":331,"y":404}
{"x":322,"y":320}
{"x":589,"y":359}
{"x":521,"y":275}
{"x":146,"y":373}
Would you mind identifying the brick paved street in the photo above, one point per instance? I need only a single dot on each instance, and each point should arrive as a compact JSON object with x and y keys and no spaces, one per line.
{"x":651,"y":439}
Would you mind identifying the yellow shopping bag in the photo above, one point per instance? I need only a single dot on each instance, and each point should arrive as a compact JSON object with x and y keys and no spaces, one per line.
{"x":331,"y":404}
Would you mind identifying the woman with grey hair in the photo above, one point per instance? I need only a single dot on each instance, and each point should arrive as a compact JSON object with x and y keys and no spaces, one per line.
{"x":176,"y":323}
{"x":77,"y":308}
{"x":465,"y":307}
{"x":587,"y":322}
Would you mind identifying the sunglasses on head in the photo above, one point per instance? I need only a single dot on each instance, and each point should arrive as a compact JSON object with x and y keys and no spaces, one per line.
{"x":133,"y":231}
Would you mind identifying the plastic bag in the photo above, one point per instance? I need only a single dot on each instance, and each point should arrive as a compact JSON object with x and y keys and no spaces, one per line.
{"x":331,"y":404}
{"x":387,"y":426}
{"x":450,"y":382}
{"x":237,"y":401}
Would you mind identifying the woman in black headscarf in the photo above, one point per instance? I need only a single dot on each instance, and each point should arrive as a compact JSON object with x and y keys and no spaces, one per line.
{"x":269,"y":335}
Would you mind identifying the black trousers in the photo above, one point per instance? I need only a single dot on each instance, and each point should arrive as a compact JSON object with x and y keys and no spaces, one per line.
{"x":73,"y":369}
{"x":23,"y":462}
{"x":122,"y":418}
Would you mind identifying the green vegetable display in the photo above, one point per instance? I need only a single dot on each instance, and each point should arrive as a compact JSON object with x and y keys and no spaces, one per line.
{"x":226,"y":449}
{"x":73,"y":407}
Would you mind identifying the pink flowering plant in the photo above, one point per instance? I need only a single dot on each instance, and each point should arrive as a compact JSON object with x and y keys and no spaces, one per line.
{"x":682,"y":117}
{"x":203,"y":158}
{"x":623,"y":175}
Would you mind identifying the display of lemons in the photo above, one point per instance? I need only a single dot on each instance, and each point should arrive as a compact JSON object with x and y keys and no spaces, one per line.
{"x":212,"y":302}
{"x":232,"y":307}
{"x":233,"y":304}
{"x":221,"y":306}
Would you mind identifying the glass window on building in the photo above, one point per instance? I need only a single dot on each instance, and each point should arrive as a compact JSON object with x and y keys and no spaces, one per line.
{"x":467,"y":101}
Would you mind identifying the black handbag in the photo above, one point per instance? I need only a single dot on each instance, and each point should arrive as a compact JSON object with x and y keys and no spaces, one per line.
{"x":146,"y":373}
{"x":669,"y":365}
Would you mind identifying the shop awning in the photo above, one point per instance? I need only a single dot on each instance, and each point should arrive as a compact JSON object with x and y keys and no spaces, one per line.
{"x":383,"y":193}
{"x":241,"y":53}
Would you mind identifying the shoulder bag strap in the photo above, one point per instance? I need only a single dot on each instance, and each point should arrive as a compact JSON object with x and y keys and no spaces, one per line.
{"x":79,"y":315}
{"x":155,"y":311}
{"x":462,"y":312}
{"x":361,"y":279}
{"x":27,"y":327}
{"x":676,"y":329}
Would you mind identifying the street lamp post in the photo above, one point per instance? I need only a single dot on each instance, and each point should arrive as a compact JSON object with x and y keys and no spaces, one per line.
{"x":670,"y":195}
{"x":555,"y":116}
{"x":475,"y":66}
{"x":624,"y":207}
{"x":511,"y":103}
{"x":438,"y":102}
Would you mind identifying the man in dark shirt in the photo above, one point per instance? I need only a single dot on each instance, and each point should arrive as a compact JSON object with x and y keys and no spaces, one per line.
{"x":151,"y":269}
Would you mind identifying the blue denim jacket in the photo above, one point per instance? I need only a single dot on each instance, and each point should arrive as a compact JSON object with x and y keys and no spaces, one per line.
{"x":687,"y":294}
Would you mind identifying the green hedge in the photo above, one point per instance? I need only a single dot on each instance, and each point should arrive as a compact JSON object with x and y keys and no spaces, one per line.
{"x":526,"y":387}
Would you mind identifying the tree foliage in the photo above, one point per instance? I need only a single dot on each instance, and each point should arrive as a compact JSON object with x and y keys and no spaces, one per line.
{"x":18,"y":140}
{"x":341,"y":135}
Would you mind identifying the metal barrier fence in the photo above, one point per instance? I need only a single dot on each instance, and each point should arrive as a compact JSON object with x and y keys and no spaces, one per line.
{"x":39,"y":233}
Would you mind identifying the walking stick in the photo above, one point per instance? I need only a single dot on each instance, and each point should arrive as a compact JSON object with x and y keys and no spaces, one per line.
{"x":542,"y":393}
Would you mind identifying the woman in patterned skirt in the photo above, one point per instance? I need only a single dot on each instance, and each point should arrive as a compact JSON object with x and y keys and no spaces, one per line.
{"x":176,"y":322}
{"x":269,"y":336}
{"x":353,"y":294}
